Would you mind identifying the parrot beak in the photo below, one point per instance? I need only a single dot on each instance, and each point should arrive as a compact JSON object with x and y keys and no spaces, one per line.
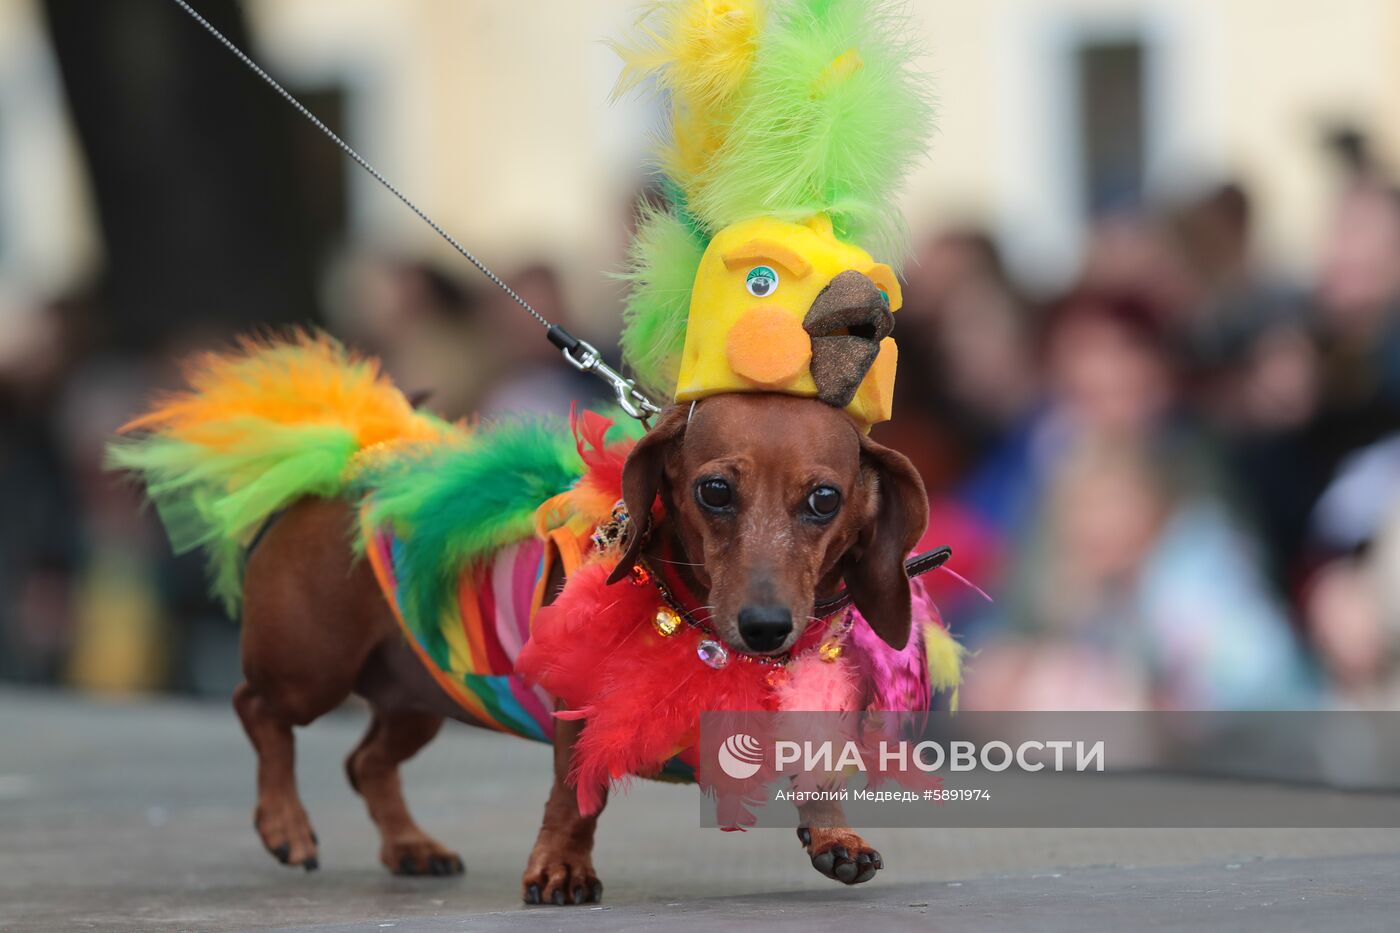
{"x":847,"y":321}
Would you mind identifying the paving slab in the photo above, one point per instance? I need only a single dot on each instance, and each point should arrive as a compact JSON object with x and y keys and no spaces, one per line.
{"x":136,"y":816}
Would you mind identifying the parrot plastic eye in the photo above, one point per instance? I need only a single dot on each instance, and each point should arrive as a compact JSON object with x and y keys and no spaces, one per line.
{"x":762,"y":281}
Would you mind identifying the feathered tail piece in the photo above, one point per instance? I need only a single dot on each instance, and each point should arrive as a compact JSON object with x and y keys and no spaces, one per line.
{"x":258,"y":428}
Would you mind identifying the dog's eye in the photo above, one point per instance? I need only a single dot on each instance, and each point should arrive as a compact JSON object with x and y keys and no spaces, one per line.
{"x":824,"y":501}
{"x":714,"y":494}
{"x":762,"y":281}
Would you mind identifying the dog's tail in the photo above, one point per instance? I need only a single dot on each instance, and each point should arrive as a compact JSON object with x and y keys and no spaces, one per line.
{"x":259,"y":427}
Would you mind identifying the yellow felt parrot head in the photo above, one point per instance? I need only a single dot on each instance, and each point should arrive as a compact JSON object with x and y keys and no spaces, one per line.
{"x":791,"y":125}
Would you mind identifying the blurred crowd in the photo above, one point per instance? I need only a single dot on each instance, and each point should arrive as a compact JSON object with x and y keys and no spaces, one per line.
{"x":1171,"y":485}
{"x":1178,"y":479}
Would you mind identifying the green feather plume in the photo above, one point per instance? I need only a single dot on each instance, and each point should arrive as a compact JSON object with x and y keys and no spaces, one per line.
{"x":830,"y":119}
{"x":201,"y":505}
{"x":453,"y":505}
{"x":664,"y":258}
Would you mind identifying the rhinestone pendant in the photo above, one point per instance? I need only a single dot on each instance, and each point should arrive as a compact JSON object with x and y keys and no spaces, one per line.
{"x":667,"y":622}
{"x":829,"y":650}
{"x":713,"y":653}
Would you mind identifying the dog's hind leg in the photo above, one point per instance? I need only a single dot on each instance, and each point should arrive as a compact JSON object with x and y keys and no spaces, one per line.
{"x":279,"y":818}
{"x":373,"y":769}
{"x":312,"y":616}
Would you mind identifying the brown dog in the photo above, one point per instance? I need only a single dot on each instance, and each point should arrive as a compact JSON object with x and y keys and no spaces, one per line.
{"x":774,"y":501}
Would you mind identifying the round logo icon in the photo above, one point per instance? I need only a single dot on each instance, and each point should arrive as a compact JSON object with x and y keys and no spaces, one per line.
{"x":740,"y":756}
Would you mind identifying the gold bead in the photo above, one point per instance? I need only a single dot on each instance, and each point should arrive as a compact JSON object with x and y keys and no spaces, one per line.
{"x":667,"y":621}
{"x":830,"y":650}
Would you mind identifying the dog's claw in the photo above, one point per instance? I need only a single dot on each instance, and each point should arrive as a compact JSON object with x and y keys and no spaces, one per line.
{"x":578,"y":894}
{"x":864,"y":869}
{"x":804,"y":835}
{"x":282,"y":853}
{"x":558,"y":898}
{"x":311,"y":864}
{"x":595,"y":894}
{"x":843,"y":869}
{"x":532,"y":894}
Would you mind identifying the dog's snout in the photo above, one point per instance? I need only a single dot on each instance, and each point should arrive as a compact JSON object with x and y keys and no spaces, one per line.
{"x":764,"y":628}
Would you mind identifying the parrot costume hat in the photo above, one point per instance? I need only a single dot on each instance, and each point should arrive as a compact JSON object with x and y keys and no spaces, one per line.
{"x":791,"y":126}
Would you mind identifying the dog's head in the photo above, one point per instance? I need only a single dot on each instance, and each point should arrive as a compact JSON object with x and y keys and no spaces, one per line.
{"x":774,"y":501}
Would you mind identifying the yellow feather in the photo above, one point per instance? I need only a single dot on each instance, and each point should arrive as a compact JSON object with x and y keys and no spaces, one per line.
{"x":945,"y":657}
{"x":700,"y":52}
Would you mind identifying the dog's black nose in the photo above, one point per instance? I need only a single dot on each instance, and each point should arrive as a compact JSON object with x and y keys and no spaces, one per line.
{"x":763,"y":628}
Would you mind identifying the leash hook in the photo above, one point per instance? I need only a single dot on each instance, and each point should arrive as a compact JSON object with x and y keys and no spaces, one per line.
{"x":583,"y":356}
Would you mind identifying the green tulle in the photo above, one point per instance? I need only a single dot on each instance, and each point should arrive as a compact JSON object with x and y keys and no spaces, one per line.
{"x":218,"y":500}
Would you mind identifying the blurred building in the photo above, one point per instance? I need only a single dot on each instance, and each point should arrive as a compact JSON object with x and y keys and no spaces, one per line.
{"x":495,"y":117}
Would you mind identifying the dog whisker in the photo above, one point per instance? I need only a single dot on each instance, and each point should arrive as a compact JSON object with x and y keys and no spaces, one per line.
{"x":677,"y":563}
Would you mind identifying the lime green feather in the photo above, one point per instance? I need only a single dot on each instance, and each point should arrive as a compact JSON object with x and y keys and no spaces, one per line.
{"x":665,"y":255}
{"x":218,"y":500}
{"x":455,"y":504}
{"x":831,"y":118}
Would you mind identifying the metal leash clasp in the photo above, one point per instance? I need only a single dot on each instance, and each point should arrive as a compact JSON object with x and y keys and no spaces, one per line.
{"x":584,"y":357}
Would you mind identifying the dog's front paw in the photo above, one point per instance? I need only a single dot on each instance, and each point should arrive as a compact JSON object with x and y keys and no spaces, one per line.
{"x":840,"y":854}
{"x":420,"y":854}
{"x":559,"y":876}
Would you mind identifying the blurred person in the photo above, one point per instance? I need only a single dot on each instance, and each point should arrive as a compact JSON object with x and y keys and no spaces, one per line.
{"x":1134,"y":253}
{"x":1351,"y":601}
{"x":976,"y":384}
{"x":1254,"y":367}
{"x":1109,"y":372}
{"x":125,"y":639}
{"x":1134,"y":591}
{"x":536,"y":380}
{"x":964,"y":320}
{"x":430,"y":331}
{"x":40,"y":541}
{"x":947,"y":261}
{"x":1358,"y":293}
{"x":1304,"y":391}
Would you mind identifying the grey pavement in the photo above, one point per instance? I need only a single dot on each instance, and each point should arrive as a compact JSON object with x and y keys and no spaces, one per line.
{"x":135,"y":815}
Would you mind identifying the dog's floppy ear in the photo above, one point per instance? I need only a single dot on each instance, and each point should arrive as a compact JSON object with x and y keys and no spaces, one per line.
{"x":641,"y":480}
{"x":874,"y":567}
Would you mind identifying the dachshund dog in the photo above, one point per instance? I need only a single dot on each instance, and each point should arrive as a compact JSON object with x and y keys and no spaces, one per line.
{"x":773,"y":501}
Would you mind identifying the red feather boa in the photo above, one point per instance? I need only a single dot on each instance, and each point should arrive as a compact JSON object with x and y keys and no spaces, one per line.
{"x":595,"y":648}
